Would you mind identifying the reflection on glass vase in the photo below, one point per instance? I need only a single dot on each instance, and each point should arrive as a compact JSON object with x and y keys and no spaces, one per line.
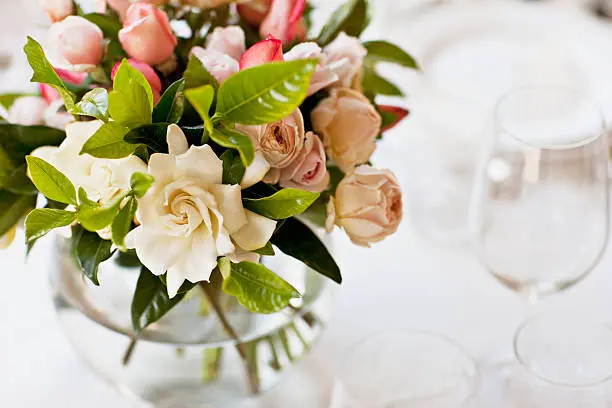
{"x":187,"y":359}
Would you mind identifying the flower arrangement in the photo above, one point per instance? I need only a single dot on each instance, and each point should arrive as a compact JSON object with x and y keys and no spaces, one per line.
{"x":197,"y":136}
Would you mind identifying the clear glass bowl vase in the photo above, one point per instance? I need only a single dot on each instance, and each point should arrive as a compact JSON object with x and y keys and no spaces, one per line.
{"x":186,"y":359}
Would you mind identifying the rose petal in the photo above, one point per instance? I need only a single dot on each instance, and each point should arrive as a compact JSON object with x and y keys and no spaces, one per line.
{"x":162,"y":167}
{"x":201,"y":162}
{"x":256,"y":171}
{"x":157,"y":251}
{"x":256,"y":233}
{"x":268,"y":50}
{"x":229,"y":203}
{"x":177,"y":142}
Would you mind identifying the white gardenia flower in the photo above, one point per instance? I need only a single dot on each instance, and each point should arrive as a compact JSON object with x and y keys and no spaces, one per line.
{"x":189,"y":218}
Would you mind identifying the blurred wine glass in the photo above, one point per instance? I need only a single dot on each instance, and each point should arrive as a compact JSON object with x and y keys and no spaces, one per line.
{"x":541,"y":201}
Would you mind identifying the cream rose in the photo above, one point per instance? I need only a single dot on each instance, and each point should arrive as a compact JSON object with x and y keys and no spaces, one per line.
{"x":349,"y":125}
{"x":323,"y":75}
{"x":28,"y":111}
{"x":281,"y":143}
{"x":308,"y":171}
{"x":345,"y":54}
{"x":368,"y":205}
{"x":189,"y":218}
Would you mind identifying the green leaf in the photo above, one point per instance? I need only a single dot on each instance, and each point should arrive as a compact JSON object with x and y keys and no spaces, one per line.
{"x":202,"y":99}
{"x":268,"y":250}
{"x":151,"y":301}
{"x":94,"y":103}
{"x":90,"y":251}
{"x":18,"y":182}
{"x":353,"y":17}
{"x":377,"y":85}
{"x":41,"y":221}
{"x":110,"y":26}
{"x":153,"y":136}
{"x":131,"y":101}
{"x":18,"y":141}
{"x":256,"y":287}
{"x":197,"y":76}
{"x":141,"y":183}
{"x":287,"y":203}
{"x":108,"y":142}
{"x":12,"y":208}
{"x":123,"y":222}
{"x":93,"y":216}
{"x":265,"y":93}
{"x":387,"y":52}
{"x":44,"y":72}
{"x":235,"y":140}
{"x":233,"y":169}
{"x":51,"y":182}
{"x":171,"y":106}
{"x":308,"y":248}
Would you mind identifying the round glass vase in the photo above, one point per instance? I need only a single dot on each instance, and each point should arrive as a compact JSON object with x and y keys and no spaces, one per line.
{"x":187,"y":358}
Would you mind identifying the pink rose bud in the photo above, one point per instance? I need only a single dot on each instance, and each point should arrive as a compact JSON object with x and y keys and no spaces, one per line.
{"x":77,"y":41}
{"x":74,"y":78}
{"x":120,"y":7}
{"x":27,"y":111}
{"x":220,"y":65}
{"x":308,"y":172}
{"x":268,"y":50}
{"x":228,"y":40}
{"x":147,"y":35}
{"x":57,"y":10}
{"x":284,"y":19}
{"x":148,"y":72}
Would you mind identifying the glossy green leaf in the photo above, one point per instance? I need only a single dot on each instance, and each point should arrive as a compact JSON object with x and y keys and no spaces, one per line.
{"x":94,"y":103}
{"x":123,"y":222}
{"x":233,"y":139}
{"x":151,"y":301}
{"x":265,"y":93}
{"x":51,"y":182}
{"x":110,"y":26}
{"x":13,"y":207}
{"x":108,"y":142}
{"x":41,"y":221}
{"x":256,"y":287}
{"x":93,"y":216}
{"x":233,"y":168}
{"x":197,"y":75}
{"x":287,"y":203}
{"x":353,"y":17}
{"x":387,"y":52}
{"x":18,"y":182}
{"x":44,"y":72}
{"x":18,"y":141}
{"x":153,"y":136}
{"x":202,"y":99}
{"x":377,"y":85}
{"x":268,"y":250}
{"x":141,"y":183}
{"x":131,"y":101}
{"x":308,"y":248}
{"x":171,"y":106}
{"x":90,"y":251}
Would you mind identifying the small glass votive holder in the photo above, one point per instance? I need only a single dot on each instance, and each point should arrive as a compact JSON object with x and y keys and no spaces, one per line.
{"x":406,"y":369}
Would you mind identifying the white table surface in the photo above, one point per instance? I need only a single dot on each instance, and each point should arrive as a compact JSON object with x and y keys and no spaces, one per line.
{"x":405,"y":282}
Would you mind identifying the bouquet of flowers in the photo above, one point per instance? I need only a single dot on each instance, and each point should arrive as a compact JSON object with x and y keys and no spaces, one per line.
{"x":197,"y":136}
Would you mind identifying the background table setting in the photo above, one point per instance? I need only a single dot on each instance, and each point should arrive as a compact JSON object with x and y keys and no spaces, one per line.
{"x":438,"y":273}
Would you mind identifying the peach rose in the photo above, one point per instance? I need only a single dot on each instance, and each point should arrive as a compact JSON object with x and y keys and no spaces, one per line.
{"x":368,"y":205}
{"x":346,"y":54}
{"x":227,"y":40}
{"x":146,"y":34}
{"x":77,"y":42}
{"x":323,"y":75}
{"x":148,"y":72}
{"x":27,"y":111}
{"x":349,"y":125}
{"x":57,"y":10}
{"x":308,"y":171}
{"x":281,"y":143}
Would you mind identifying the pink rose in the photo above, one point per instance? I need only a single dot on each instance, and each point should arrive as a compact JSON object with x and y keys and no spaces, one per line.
{"x":283,"y":20}
{"x":206,"y":4}
{"x":308,"y":171}
{"x":147,"y":35}
{"x":346,"y":54}
{"x":323,"y":75}
{"x":220,"y":65}
{"x":368,"y":205}
{"x":57,"y":10}
{"x":148,"y":72}
{"x":268,"y":50}
{"x":227,"y":40}
{"x":120,"y":7}
{"x":27,"y":111}
{"x":77,"y":42}
{"x":75,"y":78}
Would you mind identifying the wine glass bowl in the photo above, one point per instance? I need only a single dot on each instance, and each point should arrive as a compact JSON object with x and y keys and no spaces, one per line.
{"x":541,"y":201}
